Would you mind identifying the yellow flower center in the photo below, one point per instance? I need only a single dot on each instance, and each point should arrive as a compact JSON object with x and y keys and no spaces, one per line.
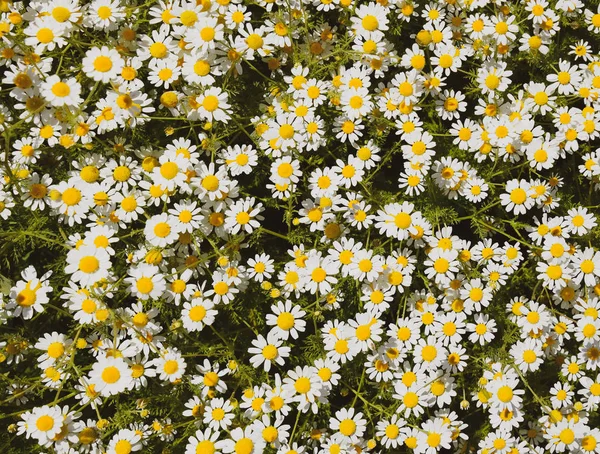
{"x":188,"y":18}
{"x":205,"y":447}
{"x":269,"y":352}
{"x":210,"y":103}
{"x":44,"y":35}
{"x":103,"y":64}
{"x":144,"y":285}
{"x":44,"y":423}
{"x":410,"y":399}
{"x":285,"y":321}
{"x":518,"y":196}
{"x":254,"y":41}
{"x":162,"y":229}
{"x":318,"y":275}
{"x":429,"y":353}
{"x":197,"y":313}
{"x":529,"y":356}
{"x":169,"y":170}
{"x":211,"y":379}
{"x":111,"y":375}
{"x":554,"y":272}
{"x":302,"y":385}
{"x":347,"y":427}
{"x":501,"y":28}
{"x":104,"y":12}
{"x":242,"y":218}
{"x":207,"y":34}
{"x":171,"y":366}
{"x":121,"y":173}
{"x":286,"y":131}
{"x":60,"y":90}
{"x":210,"y":183}
{"x":540,"y":98}
{"x":567,"y":436}
{"x":446,"y":61}
{"x":56,"y":350}
{"x":123,"y":446}
{"x":158,"y":50}
{"x":221,"y":288}
{"x":89,"y":264}
{"x":370,"y":23}
{"x":505,"y":394}
{"x":244,"y":446}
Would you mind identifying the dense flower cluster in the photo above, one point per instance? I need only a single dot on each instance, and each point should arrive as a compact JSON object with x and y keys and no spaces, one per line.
{"x":324,"y":226}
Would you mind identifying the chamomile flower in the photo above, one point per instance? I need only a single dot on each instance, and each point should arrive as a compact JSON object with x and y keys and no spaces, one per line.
{"x":243,"y":215}
{"x":320,"y":274}
{"x":260,"y":267}
{"x":429,"y":352}
{"x":159,"y":230}
{"x":146,"y":282}
{"x":210,"y":379}
{"x":476,"y":189}
{"x":268,"y":351}
{"x":110,"y":376}
{"x":581,"y":50}
{"x":246,"y":439}
{"x":210,"y":182}
{"x":103,"y":64}
{"x":125,"y":440}
{"x":304,"y":384}
{"x":44,"y":34}
{"x":586,"y":266}
{"x":413,"y":399}
{"x":581,"y":221}
{"x":350,"y":426}
{"x":29,"y":295}
{"x":170,"y":365}
{"x":56,"y":349}
{"x":450,"y":105}
{"x":396,"y":220}
{"x":370,"y":20}
{"x":88,"y":264}
{"x":528,"y":355}
{"x":356,"y":102}
{"x":105,"y":14}
{"x":348,"y":130}
{"x":284,"y":133}
{"x":285,"y":170}
{"x":61,"y":92}
{"x":213,"y":105}
{"x":554,"y":275}
{"x":517,"y":198}
{"x":164,"y":73}
{"x":197,"y":314}
{"x":44,"y":423}
{"x":564,"y":436}
{"x":409,"y":86}
{"x":205,"y":440}
{"x":420,"y":146}
{"x":240,"y":160}
{"x":441,"y":265}
{"x":37,"y":193}
{"x":483,"y":330}
{"x":218,"y":414}
{"x":223,"y":289}
{"x":286,"y":320}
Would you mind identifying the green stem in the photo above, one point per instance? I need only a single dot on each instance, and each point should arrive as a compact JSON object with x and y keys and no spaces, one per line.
{"x":295,"y":426}
{"x":362,"y":379}
{"x":271,"y":232}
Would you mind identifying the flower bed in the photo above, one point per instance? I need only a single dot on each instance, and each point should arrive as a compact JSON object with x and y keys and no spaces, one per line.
{"x":299,"y":227}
